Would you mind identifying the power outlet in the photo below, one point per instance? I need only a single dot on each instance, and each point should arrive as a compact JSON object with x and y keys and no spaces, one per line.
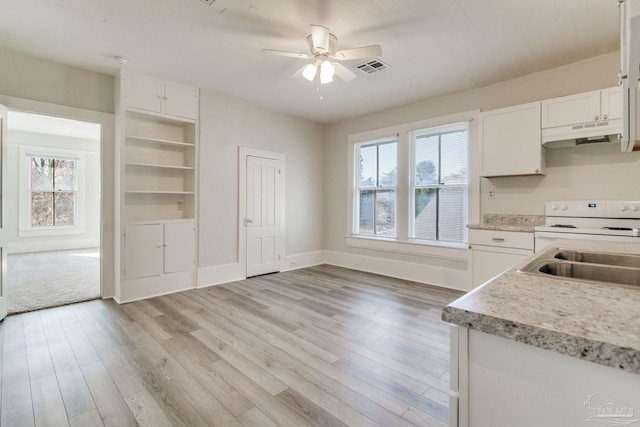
{"x":492,"y":194}
{"x":180,"y":206}
{"x":292,"y":263}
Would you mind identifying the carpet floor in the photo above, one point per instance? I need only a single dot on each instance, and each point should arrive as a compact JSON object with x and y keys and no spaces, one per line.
{"x":48,"y":279}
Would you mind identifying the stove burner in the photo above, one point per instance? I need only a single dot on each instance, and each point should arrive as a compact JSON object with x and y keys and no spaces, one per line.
{"x":618,"y":228}
{"x":563,"y":226}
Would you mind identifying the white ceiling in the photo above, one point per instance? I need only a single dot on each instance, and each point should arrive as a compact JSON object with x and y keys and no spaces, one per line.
{"x":434,"y":47}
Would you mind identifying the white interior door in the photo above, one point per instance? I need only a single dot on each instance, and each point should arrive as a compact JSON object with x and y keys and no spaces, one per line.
{"x":3,"y":243}
{"x":262,"y":217}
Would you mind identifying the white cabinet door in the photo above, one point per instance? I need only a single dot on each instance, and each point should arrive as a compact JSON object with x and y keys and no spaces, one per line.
{"x":144,"y":250}
{"x":511,"y":141}
{"x":611,"y":103}
{"x":179,"y":250}
{"x":180,"y":101}
{"x":487,"y":262}
{"x":144,"y":93}
{"x":572,"y":109}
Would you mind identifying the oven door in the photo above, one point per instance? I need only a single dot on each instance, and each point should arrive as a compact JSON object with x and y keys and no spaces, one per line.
{"x":543,"y":239}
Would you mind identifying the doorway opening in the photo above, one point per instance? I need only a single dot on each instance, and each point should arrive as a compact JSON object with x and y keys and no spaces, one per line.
{"x":53,"y":211}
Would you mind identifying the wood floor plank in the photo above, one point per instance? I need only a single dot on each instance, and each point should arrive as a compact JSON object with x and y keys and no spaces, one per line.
{"x":273,"y":408}
{"x":82,"y":348}
{"x":13,"y":333}
{"x":146,"y":411}
{"x":204,"y":403}
{"x":75,"y":392}
{"x":228,"y":396}
{"x":238,"y":360}
{"x":110,"y":404}
{"x":17,"y":407}
{"x":88,"y":419}
{"x":48,"y":406}
{"x":322,"y":346}
{"x":255,"y":418}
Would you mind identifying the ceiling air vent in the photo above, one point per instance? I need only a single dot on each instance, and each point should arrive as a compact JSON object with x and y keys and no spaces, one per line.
{"x":372,"y":66}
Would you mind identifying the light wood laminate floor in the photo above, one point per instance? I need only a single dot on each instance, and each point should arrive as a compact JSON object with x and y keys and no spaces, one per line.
{"x":322,"y":346}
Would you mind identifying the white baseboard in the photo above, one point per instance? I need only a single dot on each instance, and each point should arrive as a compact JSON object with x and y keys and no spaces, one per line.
{"x":219,"y":274}
{"x":296,"y":261}
{"x":54,"y":245}
{"x":149,"y":287}
{"x":429,"y":274}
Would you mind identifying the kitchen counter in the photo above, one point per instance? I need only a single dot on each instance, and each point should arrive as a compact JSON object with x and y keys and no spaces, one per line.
{"x":509,"y":222}
{"x":587,"y":320}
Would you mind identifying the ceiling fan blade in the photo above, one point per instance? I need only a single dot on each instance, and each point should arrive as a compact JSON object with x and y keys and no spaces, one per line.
{"x":320,"y":38}
{"x":297,"y":74}
{"x":343,"y":72}
{"x":284,"y":53}
{"x":372,"y":51}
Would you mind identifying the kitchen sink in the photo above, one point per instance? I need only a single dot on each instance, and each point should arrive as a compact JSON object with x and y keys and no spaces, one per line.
{"x":619,"y":269}
{"x":599,"y":258}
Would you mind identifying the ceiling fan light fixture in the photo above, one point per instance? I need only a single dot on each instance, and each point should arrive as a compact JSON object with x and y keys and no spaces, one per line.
{"x":309,"y":72}
{"x":327,"y":71}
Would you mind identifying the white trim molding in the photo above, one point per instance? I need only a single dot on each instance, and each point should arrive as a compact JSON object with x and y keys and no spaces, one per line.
{"x":415,"y":272}
{"x":298,"y":261}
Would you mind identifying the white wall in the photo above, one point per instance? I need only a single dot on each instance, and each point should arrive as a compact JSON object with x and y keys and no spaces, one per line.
{"x":225,"y":125}
{"x":37,"y":79}
{"x":88,"y":192}
{"x":596,"y":171}
{"x":41,"y":86}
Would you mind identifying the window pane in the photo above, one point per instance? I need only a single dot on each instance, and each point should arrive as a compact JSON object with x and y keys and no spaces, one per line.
{"x":65,"y":208}
{"x":41,"y":174}
{"x":452,"y":214}
{"x":366,"y":212}
{"x":426,"y":207}
{"x":41,"y":209}
{"x":388,"y":164}
{"x":368,"y":166}
{"x":386,"y":213}
{"x":426,"y":160}
{"x":64,"y":174}
{"x":454,"y":158}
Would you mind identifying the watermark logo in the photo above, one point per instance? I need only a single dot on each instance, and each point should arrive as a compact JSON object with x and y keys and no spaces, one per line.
{"x":607,"y":411}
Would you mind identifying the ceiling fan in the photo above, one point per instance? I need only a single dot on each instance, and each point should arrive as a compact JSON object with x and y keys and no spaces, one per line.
{"x":323,"y":66}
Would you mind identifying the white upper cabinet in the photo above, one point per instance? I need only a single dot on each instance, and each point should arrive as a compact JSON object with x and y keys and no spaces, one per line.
{"x":611,"y":103}
{"x":511,"y":141}
{"x":585,"y":107}
{"x":157,"y":96}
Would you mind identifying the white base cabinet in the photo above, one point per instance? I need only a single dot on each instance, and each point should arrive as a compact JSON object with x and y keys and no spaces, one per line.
{"x":493,"y":252}
{"x":155,"y":249}
{"x":501,"y":382}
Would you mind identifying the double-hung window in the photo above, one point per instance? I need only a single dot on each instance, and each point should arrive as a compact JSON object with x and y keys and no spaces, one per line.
{"x":376,"y":188}
{"x":439,"y":182}
{"x":53,"y":191}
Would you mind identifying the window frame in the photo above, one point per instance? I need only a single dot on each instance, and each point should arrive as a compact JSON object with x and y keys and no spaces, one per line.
{"x":403,"y":243}
{"x":377,"y":187}
{"x":25,"y":229}
{"x":53,"y":191}
{"x":413,"y":137}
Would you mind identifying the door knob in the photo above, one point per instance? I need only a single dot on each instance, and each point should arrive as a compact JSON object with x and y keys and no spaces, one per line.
{"x":248,"y":222}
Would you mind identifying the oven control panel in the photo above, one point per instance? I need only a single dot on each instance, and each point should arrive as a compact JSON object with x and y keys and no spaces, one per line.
{"x":594,"y":208}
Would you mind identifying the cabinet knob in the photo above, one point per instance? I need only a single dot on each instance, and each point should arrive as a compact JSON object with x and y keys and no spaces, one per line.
{"x":537,"y":170}
{"x":604,"y":117}
{"x":596,"y":118}
{"x":159,"y":245}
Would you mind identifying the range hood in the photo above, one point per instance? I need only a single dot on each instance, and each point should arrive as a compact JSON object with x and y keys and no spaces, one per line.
{"x":603,"y":131}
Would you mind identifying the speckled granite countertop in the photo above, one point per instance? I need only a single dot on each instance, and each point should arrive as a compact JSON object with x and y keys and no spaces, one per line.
{"x":588,"y":320}
{"x":509,"y":222}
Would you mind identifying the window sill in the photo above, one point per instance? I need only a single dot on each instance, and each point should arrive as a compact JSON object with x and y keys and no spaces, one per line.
{"x":50,"y":231}
{"x":443,"y":250}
